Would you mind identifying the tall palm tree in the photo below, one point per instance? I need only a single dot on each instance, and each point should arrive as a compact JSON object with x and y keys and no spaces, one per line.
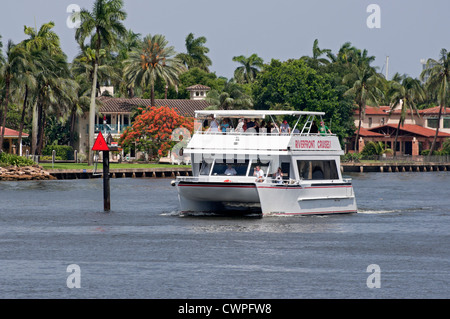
{"x":103,"y":25}
{"x":56,"y":91}
{"x":42,"y":39}
{"x":155,"y":60}
{"x":315,"y":60}
{"x":15,"y":63}
{"x":41,"y":42}
{"x":196,"y":53}
{"x":249,"y":69}
{"x":406,"y":94}
{"x":363,"y":82}
{"x":438,"y":72}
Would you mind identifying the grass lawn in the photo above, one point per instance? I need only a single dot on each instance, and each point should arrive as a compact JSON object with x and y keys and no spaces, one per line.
{"x":48,"y":166}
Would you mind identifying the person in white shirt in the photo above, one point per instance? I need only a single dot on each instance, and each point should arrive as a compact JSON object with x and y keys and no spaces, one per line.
{"x":259,"y":173}
{"x":214,"y":126}
{"x":230,"y":170}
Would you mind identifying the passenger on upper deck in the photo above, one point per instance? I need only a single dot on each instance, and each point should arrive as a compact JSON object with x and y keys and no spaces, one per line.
{"x":214,"y":127}
{"x":323,"y":129}
{"x":285,"y":128}
{"x":240,"y":126}
{"x":225,"y":126}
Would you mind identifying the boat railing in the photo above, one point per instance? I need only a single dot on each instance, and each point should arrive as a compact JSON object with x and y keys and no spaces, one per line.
{"x":238,"y":133}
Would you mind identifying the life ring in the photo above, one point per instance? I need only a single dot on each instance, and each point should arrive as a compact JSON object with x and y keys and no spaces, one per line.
{"x":227,"y":181}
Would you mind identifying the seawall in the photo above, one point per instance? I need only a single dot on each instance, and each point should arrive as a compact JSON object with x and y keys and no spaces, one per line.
{"x":12,"y":173}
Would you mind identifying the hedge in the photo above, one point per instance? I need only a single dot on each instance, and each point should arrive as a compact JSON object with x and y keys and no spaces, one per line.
{"x":65,"y":152}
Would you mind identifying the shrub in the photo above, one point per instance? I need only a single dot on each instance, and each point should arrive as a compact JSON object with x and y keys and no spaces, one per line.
{"x":373,"y":148}
{"x":65,"y":152}
{"x":15,"y":160}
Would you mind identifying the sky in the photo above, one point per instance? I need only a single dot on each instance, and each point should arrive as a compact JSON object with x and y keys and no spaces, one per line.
{"x":406,"y":31}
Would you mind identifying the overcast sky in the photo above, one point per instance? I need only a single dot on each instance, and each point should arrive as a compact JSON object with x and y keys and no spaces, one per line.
{"x":409,"y":31}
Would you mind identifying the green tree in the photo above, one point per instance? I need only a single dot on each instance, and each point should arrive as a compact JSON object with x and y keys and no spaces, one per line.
{"x":15,"y":63}
{"x":363,"y":82}
{"x":56,"y":91}
{"x":249,"y":69}
{"x":406,"y":94}
{"x":295,"y":85}
{"x":438,"y":72}
{"x":103,"y":25}
{"x":195,"y":57}
{"x":155,"y":60}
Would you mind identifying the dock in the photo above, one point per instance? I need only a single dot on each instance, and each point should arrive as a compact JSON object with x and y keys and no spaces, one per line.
{"x":171,"y":172}
{"x":175,"y":171}
{"x":394,"y":167}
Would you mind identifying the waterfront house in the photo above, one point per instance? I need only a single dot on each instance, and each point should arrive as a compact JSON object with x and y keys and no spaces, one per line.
{"x":417,"y":133}
{"x":115,"y":114}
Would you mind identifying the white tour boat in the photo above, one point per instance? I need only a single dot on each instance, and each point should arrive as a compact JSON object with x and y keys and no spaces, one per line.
{"x":224,"y":166}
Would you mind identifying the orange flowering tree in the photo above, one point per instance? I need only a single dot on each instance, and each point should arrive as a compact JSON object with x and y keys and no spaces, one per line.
{"x":152,"y":130}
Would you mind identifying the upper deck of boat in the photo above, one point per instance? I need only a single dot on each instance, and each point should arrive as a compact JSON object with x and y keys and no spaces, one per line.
{"x":236,"y":140}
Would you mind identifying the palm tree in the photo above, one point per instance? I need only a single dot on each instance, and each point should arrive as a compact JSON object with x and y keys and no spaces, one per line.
{"x":315,"y":60}
{"x":42,"y":42}
{"x":406,"y":95}
{"x":103,"y":25}
{"x":56,"y":92}
{"x":15,"y":63}
{"x":438,"y":72}
{"x":42,"y":39}
{"x":196,"y":53}
{"x":153,"y":61}
{"x":249,"y":69}
{"x":364,"y":87}
{"x":231,"y":97}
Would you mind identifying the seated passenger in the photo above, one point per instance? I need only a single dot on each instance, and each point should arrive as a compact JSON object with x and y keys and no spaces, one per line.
{"x":278,"y":176}
{"x":259,"y":173}
{"x":230,"y":171}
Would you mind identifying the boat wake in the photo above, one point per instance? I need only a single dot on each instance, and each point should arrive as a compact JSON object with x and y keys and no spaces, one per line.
{"x":363,"y":211}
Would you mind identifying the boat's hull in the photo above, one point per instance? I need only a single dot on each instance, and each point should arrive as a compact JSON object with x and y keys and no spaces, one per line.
{"x":273,"y":199}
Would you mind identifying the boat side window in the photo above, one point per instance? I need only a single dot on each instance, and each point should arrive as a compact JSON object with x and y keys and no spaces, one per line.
{"x":221,"y":168}
{"x":317,"y":169}
{"x":205,"y":168}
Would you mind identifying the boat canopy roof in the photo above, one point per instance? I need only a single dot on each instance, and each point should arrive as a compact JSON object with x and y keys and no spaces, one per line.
{"x":250,"y":113}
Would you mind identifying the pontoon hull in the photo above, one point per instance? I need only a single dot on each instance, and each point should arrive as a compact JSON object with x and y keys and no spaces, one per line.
{"x":273,"y":199}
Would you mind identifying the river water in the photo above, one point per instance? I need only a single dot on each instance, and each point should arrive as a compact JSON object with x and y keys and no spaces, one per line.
{"x":143,"y":248}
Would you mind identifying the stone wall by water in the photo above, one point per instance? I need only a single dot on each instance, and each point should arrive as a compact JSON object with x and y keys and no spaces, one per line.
{"x":14,"y":173}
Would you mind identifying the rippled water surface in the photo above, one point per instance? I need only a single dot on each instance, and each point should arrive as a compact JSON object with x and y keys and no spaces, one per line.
{"x":143,"y":248}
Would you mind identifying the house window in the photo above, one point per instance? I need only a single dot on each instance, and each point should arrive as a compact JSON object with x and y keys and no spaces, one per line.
{"x":317,"y":169}
{"x":370,"y":122}
{"x":446,"y":122}
{"x":382,"y":121}
{"x":432,"y":122}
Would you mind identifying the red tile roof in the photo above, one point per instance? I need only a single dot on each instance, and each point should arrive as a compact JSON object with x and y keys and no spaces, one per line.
{"x":12,"y":133}
{"x":367,"y":133}
{"x":434,"y":111}
{"x":373,"y":110}
{"x":198,"y":87}
{"x":415,"y":129}
{"x":123,"y":105}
